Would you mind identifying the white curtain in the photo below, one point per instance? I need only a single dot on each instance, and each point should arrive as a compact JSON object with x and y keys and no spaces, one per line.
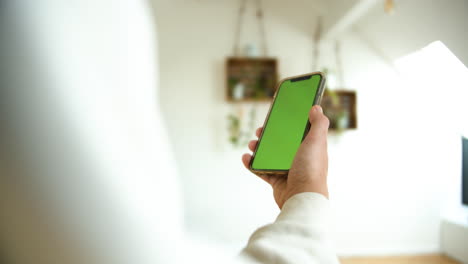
{"x":87,"y":175}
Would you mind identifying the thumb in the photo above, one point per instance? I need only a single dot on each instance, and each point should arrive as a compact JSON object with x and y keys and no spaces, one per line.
{"x":319,"y":124}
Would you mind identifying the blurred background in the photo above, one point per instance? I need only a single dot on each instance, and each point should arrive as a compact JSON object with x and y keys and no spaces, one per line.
{"x":391,"y":177}
{"x":206,"y":69}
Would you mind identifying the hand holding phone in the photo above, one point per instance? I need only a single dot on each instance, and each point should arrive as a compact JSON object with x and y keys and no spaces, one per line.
{"x":306,"y":170}
{"x":287,"y":123}
{"x":309,"y":170}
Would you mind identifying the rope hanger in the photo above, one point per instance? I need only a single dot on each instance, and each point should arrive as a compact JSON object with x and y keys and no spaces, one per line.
{"x":261,"y":24}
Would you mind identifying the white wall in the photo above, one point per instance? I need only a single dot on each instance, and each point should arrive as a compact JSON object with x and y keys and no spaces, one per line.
{"x":390,"y":179}
{"x":385,"y":177}
{"x":415,"y":23}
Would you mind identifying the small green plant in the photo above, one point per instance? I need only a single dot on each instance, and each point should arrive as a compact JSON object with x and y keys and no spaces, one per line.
{"x":239,"y":136}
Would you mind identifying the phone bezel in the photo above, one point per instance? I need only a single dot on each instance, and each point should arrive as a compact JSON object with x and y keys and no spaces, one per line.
{"x":317,"y":100}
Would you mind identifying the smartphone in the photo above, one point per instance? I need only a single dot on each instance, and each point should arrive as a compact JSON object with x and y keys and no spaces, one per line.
{"x":287,"y":123}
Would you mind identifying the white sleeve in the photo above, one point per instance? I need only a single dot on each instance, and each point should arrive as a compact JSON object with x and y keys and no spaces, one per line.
{"x":299,"y":234}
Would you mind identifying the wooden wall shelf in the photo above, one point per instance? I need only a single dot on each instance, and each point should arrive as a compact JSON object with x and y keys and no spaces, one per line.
{"x":340,"y":107}
{"x":251,"y":79}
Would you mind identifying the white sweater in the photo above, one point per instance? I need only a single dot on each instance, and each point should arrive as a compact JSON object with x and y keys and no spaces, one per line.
{"x":299,"y":234}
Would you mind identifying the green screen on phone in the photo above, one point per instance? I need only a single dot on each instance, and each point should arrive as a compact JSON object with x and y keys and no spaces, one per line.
{"x":286,"y":124}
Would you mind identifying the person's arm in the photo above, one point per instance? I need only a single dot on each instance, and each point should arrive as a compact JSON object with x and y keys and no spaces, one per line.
{"x":300,"y":232}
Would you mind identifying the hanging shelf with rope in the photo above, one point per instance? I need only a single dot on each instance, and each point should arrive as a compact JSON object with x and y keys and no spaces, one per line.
{"x":339,"y":104}
{"x":250,"y":78}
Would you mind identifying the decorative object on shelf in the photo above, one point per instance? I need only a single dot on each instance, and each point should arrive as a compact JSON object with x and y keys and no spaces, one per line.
{"x":389,"y":6}
{"x":340,"y":108}
{"x":250,"y":77}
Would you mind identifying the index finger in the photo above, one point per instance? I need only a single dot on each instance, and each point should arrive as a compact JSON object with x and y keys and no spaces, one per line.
{"x":258,"y":132}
